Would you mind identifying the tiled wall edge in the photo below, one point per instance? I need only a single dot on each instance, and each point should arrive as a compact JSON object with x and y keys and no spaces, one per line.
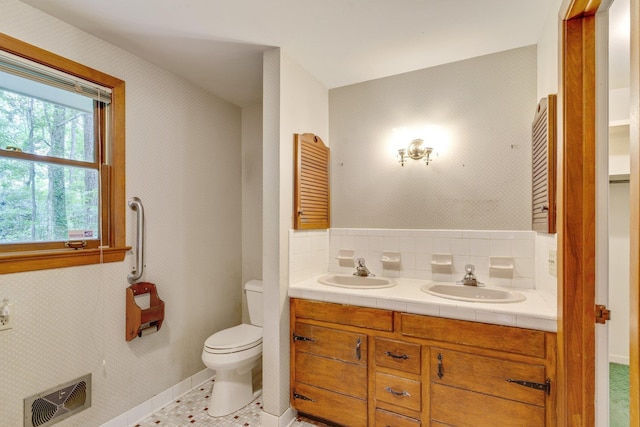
{"x":160,"y":400}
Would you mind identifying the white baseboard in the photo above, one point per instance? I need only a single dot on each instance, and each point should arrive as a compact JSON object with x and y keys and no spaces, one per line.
{"x":160,"y":400}
{"x":284,"y":420}
{"x":615,"y":358}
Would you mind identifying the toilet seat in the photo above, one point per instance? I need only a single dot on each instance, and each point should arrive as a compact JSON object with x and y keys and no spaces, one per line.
{"x":235,"y":339}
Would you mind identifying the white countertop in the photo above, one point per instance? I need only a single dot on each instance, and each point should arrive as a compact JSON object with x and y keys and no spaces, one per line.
{"x":538,"y":311}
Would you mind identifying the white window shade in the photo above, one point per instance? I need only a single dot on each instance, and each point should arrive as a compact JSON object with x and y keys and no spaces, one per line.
{"x":33,"y":71}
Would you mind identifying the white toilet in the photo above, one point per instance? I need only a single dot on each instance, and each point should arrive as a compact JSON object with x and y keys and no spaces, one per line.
{"x":233,"y":353}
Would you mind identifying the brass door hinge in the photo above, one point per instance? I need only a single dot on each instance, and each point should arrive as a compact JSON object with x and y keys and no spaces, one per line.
{"x":602,"y":314}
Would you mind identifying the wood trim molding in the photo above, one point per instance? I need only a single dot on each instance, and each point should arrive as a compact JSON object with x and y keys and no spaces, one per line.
{"x":115,"y":171}
{"x":45,"y":260}
{"x":634,"y":235}
{"x":576,"y":225}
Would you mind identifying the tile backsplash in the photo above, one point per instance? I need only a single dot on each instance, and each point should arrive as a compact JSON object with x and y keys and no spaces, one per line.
{"x":308,"y":253}
{"x":313,"y":253}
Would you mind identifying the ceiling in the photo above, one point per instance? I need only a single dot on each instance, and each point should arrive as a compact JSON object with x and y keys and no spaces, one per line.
{"x":218,"y":44}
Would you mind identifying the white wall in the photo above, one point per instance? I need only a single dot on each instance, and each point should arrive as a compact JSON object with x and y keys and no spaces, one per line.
{"x":619,"y":272}
{"x":293,"y":102}
{"x":183,"y":161}
{"x":619,"y":223}
{"x":481,"y":179}
{"x":548,"y":75}
{"x":251,"y":193}
{"x":548,"y":54}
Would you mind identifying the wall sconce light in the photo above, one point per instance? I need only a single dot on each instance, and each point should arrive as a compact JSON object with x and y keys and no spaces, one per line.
{"x":416,"y":151}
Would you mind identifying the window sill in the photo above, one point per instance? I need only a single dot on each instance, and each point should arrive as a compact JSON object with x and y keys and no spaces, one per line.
{"x":45,"y":260}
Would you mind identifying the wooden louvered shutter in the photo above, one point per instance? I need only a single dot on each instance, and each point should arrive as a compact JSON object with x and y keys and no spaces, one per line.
{"x":311,"y":193}
{"x":543,"y":134}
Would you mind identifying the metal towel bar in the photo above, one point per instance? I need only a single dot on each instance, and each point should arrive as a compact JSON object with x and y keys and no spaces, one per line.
{"x":136,"y":273}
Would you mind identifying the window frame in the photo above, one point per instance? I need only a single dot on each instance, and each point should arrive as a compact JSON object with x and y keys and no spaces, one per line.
{"x":113,"y":175}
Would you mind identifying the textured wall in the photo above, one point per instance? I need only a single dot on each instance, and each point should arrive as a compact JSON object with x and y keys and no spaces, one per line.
{"x":481,"y":179}
{"x":294,"y":102}
{"x":184,"y":162}
{"x":251,"y":193}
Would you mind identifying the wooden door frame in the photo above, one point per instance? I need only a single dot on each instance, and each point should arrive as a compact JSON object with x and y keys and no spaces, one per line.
{"x":577,"y":214}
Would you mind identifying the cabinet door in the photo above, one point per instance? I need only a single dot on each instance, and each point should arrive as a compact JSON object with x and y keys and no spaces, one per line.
{"x":462,"y":408}
{"x":331,"y":374}
{"x":332,"y":343}
{"x":333,"y":407}
{"x":487,"y":375}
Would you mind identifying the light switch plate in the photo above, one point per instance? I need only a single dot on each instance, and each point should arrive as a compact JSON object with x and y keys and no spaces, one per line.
{"x":553,"y":262}
{"x":8,"y":322}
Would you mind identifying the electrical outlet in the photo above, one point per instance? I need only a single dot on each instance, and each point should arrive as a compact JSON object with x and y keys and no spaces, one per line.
{"x":553,"y":262}
{"x":6,"y":322}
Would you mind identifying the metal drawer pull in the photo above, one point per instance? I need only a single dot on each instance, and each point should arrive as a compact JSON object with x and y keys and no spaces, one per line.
{"x":546,"y":387}
{"x":358,"y":344}
{"x":440,"y":367}
{"x":397,"y":393}
{"x":396,"y":356}
{"x":302,"y":397}
{"x":301,"y":338}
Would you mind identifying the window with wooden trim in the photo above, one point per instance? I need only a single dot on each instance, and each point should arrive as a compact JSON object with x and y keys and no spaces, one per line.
{"x":61,"y":161}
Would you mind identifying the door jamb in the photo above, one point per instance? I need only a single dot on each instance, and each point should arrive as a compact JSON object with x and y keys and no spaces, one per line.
{"x":576,"y":216}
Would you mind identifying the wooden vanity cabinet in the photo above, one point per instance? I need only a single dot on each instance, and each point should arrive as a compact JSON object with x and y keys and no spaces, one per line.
{"x":357,"y":366}
{"x":487,"y":375}
{"x":329,"y":360}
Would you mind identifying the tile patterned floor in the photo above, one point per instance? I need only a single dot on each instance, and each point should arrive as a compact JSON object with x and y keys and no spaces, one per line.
{"x":191,"y":410}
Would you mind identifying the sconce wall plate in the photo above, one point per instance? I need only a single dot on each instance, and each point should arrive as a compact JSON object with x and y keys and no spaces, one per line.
{"x":416,"y":151}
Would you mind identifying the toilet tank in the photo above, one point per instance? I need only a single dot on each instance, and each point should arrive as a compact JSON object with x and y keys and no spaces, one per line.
{"x":253,"y":288}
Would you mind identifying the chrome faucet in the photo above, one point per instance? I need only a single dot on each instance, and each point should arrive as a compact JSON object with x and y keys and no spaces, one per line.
{"x":469,"y":278}
{"x":361,"y":269}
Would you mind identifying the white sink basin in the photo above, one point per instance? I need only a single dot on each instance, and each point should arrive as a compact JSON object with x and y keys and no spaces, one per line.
{"x":472,"y":293}
{"x":357,"y":282}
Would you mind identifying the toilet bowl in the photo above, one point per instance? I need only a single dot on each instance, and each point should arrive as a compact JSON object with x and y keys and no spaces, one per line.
{"x":233,"y":353}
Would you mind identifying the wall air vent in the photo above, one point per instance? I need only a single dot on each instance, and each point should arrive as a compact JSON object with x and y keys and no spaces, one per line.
{"x":49,"y":407}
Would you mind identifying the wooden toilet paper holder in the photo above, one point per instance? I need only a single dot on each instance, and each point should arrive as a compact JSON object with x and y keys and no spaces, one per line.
{"x":141,"y":321}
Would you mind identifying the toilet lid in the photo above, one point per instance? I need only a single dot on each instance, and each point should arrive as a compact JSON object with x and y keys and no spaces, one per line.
{"x":236,"y":338}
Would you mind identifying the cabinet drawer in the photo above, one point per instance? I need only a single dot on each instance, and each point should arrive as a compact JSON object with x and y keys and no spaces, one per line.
{"x":390,"y":419}
{"x":487,"y":375}
{"x":331,"y":374}
{"x":330,"y":406}
{"x":399,"y":355}
{"x":398,"y":391}
{"x":370,"y":318}
{"x":347,"y":346}
{"x":462,"y":408}
{"x":503,"y":338}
